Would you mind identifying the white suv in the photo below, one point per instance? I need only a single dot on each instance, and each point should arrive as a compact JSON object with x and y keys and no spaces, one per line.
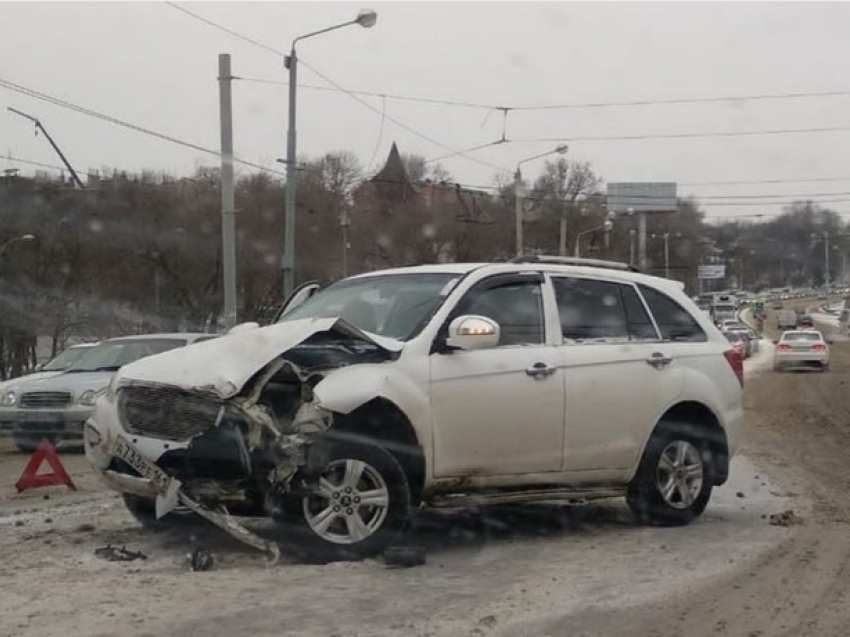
{"x":438,"y":385}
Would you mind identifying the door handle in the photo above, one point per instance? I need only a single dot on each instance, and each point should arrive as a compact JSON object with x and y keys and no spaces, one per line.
{"x":540,"y":370}
{"x":659,"y":360}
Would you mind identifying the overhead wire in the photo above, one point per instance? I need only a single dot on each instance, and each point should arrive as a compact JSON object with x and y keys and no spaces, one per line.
{"x":576,"y":105}
{"x":333,"y":83}
{"x":118,"y":122}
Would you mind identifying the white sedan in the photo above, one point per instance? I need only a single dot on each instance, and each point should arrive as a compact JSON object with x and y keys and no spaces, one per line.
{"x":801,"y":348}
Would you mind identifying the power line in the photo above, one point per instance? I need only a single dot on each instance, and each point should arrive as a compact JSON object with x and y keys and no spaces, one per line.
{"x":763,"y":181}
{"x":686,"y":100}
{"x":337,"y":86}
{"x":577,"y":105}
{"x":390,"y":96}
{"x":118,"y":122}
{"x":225,"y":29}
{"x":30,"y":162}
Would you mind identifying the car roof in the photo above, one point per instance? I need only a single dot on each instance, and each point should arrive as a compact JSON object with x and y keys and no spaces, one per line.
{"x":185,"y":336}
{"x":589,"y":271}
{"x":785,"y":333}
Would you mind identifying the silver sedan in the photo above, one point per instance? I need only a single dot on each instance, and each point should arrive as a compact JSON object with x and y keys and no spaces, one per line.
{"x":801,"y":348}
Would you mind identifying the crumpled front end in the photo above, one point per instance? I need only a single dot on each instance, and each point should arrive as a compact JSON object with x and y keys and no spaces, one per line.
{"x":218,"y":455}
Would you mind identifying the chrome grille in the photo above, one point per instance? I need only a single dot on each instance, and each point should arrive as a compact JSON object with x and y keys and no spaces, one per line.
{"x":45,"y":399}
{"x":167,"y":413}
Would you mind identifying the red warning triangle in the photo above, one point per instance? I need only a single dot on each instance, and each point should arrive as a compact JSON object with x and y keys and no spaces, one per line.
{"x":32,"y":479}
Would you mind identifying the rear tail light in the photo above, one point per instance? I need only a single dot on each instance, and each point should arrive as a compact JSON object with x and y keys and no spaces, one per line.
{"x":819,"y":347}
{"x":736,"y":361}
{"x":783,"y":347}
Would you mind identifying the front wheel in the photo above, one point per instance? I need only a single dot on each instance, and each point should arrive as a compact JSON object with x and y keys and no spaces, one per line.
{"x":360,"y":505}
{"x":673,"y":482}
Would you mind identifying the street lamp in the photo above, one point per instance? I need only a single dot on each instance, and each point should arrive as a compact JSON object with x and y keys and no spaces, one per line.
{"x":666,"y":236}
{"x":367,"y":19}
{"x":607,"y":226}
{"x":560,"y":150}
{"x":23,"y":237}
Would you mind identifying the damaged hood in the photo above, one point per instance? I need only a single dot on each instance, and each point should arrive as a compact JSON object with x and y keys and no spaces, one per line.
{"x":223,"y":365}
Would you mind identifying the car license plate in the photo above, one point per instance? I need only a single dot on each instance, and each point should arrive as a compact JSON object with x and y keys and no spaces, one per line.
{"x":124,"y":449}
{"x":40,"y":416}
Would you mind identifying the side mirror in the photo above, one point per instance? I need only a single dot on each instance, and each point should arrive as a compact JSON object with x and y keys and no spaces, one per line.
{"x":473,"y":332}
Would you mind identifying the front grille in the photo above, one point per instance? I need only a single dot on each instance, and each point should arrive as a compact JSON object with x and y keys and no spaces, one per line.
{"x":167,"y":413}
{"x":45,"y":399}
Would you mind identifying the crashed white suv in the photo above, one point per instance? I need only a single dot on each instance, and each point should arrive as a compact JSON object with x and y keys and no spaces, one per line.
{"x":439,"y":385}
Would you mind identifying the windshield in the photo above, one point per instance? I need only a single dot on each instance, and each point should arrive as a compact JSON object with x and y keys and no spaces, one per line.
{"x":802,"y":336}
{"x":112,"y":355}
{"x":396,"y":306}
{"x":65,"y":359}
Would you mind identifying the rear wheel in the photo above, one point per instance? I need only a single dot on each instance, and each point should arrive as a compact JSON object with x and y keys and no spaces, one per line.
{"x":360,"y":506}
{"x":673,"y":482}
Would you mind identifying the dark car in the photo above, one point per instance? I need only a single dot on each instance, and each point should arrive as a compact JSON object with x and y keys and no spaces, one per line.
{"x":804,"y":320}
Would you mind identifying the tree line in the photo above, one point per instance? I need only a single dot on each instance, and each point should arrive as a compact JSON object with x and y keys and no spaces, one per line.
{"x":138,"y":253}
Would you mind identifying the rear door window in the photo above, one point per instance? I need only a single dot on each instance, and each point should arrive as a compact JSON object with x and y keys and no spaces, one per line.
{"x":590,"y":309}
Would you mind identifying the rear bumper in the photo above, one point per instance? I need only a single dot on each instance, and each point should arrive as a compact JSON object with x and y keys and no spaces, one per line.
{"x":800,"y":359}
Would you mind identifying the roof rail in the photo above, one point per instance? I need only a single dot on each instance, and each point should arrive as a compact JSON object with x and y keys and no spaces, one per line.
{"x":589,"y":263}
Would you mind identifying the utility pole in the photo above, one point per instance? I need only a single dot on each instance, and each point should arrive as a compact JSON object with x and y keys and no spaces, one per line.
{"x":642,"y":240}
{"x":41,"y":128}
{"x":826,"y":258}
{"x":228,"y":199}
{"x":518,"y":211}
{"x":562,"y":236}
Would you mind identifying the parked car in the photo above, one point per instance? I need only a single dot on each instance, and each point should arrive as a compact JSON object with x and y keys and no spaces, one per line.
{"x":56,"y":407}
{"x":801,"y":348}
{"x":440,"y":385}
{"x":55,"y":366}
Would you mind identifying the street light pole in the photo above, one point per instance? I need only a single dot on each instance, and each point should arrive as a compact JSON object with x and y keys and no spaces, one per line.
{"x":366,"y":18}
{"x":518,"y":229}
{"x":605,"y":226}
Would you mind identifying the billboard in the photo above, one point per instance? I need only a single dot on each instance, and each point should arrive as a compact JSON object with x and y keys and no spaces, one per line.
{"x":707,"y":272}
{"x":641,"y":196}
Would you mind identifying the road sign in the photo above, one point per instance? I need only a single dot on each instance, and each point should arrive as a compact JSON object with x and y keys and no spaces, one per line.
{"x":709,"y":272}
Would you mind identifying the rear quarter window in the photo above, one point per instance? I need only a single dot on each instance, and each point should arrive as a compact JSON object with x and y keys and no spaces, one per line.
{"x":674,"y":322}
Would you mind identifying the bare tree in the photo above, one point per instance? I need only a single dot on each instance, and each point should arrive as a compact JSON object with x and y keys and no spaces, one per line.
{"x":565,"y":184}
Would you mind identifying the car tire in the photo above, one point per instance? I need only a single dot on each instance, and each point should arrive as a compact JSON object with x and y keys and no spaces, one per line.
{"x":673,"y":483}
{"x":144,"y":510}
{"x":27,"y":443}
{"x":324,"y":531}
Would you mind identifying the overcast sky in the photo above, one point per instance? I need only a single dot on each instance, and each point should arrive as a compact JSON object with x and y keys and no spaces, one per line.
{"x":150,"y":64}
